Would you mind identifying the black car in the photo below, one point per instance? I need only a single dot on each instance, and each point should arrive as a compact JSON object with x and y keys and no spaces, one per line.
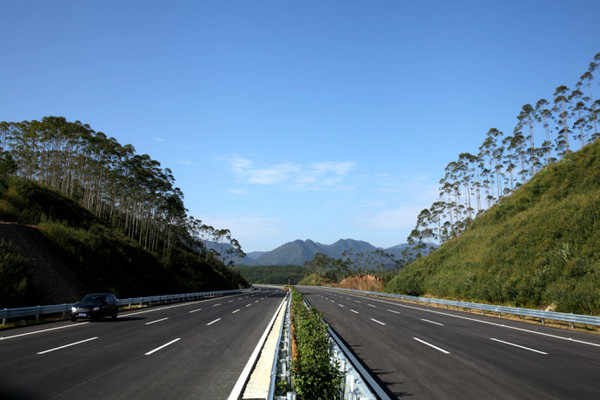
{"x":96,"y":306}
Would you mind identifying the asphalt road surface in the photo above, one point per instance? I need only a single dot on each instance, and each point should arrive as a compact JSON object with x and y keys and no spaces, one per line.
{"x":420,"y":352}
{"x":193,"y":350}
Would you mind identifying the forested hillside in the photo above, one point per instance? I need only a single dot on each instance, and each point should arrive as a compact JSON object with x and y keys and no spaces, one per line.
{"x":539,"y":247}
{"x":545,"y":131}
{"x":116,"y":216}
{"x":518,"y":220}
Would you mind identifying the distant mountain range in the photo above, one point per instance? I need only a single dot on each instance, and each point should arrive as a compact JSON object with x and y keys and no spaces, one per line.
{"x":300,"y":251}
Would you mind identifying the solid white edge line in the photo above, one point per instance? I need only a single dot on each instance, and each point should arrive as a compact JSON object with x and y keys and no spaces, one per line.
{"x":519,"y":346}
{"x":157,"y":320}
{"x":42,"y":331}
{"x":432,"y":346}
{"x":236,"y":392}
{"x":67,"y":345}
{"x":162,"y":347}
{"x":212,"y":322}
{"x":379,"y":322}
{"x":432,"y":322}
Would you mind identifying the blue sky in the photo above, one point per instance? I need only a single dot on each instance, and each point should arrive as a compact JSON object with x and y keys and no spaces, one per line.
{"x":286,"y":120}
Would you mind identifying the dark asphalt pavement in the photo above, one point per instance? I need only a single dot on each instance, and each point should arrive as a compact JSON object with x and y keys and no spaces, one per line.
{"x":194,"y":350}
{"x":430,"y":353}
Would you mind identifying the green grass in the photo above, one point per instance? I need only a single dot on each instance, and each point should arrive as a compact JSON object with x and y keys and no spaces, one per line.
{"x":539,"y":247}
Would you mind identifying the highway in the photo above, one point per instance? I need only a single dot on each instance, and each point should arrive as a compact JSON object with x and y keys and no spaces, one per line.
{"x":429,"y":353}
{"x":193,"y":350}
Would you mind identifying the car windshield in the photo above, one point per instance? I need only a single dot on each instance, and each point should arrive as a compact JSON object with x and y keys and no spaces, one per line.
{"x":94,"y":298}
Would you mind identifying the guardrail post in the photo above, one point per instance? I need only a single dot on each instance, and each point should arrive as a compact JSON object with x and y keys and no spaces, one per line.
{"x":64,"y":310}
{"x":4,"y":319}
{"x":37,"y":315}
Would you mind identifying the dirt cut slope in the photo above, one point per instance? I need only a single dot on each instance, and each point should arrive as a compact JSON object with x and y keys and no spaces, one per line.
{"x":53,"y":279}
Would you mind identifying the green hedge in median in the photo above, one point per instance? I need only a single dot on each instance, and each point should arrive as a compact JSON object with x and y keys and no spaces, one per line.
{"x":314,"y":375}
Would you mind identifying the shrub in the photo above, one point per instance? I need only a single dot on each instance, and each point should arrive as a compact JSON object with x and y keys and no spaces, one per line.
{"x":13,"y":275}
{"x":315,"y":376}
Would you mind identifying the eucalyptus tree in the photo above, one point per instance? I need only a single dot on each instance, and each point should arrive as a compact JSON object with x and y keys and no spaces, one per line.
{"x":586,"y":80}
{"x":561,"y":102}
{"x":517,"y":146}
{"x":491,"y":152}
{"x":468,"y":165}
{"x":510,"y":157}
{"x":436,"y":214}
{"x":579,"y":113}
{"x":544,"y":115}
{"x":527,"y":118}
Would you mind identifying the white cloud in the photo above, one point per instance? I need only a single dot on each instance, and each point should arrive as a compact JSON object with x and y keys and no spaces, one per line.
{"x":295,"y":176}
{"x":237,"y":191}
{"x":157,"y":139}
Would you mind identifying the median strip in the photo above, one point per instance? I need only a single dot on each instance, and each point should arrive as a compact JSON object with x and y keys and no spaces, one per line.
{"x":162,"y":347}
{"x":67,"y":345}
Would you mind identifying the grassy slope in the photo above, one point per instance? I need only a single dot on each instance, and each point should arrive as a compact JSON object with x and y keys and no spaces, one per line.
{"x":100,"y":258}
{"x":539,"y":247}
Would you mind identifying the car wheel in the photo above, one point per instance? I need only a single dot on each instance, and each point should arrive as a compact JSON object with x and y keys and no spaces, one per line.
{"x":114,"y":314}
{"x":73,"y":318}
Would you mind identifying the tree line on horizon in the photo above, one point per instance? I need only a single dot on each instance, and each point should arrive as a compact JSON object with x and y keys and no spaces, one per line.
{"x":544,"y":134}
{"x":130,"y":192}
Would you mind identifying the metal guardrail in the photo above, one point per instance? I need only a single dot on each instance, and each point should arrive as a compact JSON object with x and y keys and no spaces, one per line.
{"x":524,"y":312}
{"x":9,"y":313}
{"x":283,"y":352}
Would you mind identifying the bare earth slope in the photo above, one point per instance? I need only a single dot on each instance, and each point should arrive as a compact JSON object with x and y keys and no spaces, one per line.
{"x":50,"y":274}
